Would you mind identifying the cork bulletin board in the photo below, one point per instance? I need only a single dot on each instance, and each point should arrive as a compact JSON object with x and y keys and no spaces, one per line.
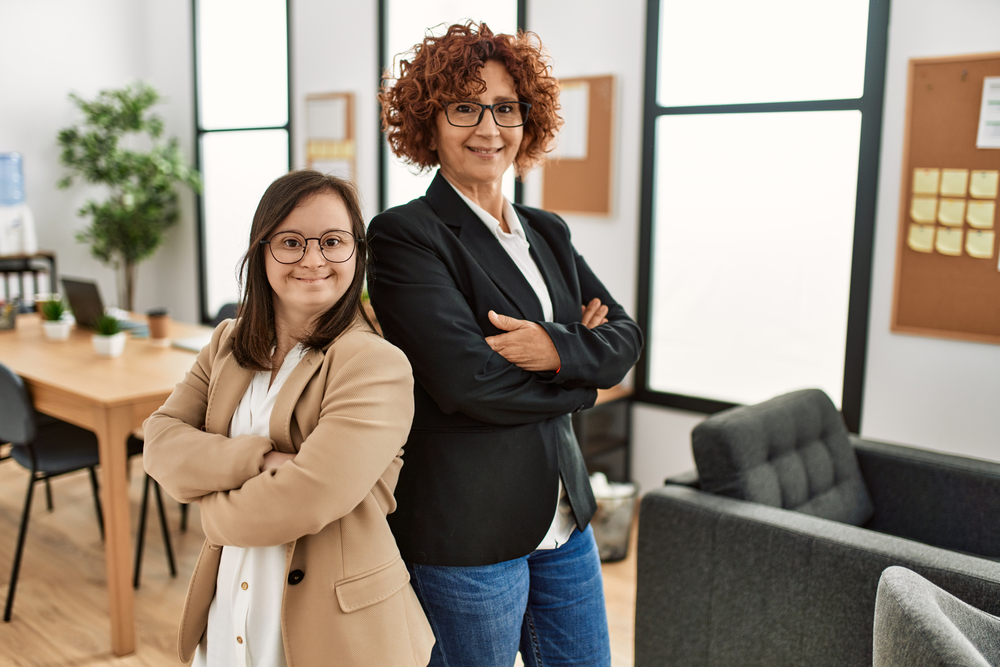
{"x":947,"y":277}
{"x":577,"y":177}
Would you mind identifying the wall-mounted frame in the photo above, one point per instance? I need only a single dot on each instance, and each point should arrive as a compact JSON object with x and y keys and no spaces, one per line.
{"x":947,"y":277}
{"x":330,"y":141}
{"x":577,"y":176}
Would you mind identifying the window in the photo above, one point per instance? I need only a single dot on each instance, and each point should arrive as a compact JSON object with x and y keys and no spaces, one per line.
{"x":760,"y":159}
{"x":242,"y":107}
{"x":404,"y":24}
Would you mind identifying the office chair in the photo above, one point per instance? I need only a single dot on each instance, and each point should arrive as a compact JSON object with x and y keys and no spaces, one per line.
{"x":135,"y":445}
{"x":48,"y":449}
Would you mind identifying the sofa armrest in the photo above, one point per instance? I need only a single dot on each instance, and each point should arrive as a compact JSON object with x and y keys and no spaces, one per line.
{"x":689,"y":479}
{"x":939,"y":499}
{"x":729,"y":582}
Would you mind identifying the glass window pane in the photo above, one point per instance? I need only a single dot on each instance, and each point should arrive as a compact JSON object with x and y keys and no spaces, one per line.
{"x":242,"y":63}
{"x":237,"y":167}
{"x":752,"y":253}
{"x":406,"y":25}
{"x":734,"y":51}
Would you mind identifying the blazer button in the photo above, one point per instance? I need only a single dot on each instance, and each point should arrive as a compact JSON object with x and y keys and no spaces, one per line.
{"x":295,"y":576}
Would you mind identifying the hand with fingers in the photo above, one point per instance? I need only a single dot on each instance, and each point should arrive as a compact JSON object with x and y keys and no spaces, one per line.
{"x":273,"y":459}
{"x":525,"y":344}
{"x":594,"y":314}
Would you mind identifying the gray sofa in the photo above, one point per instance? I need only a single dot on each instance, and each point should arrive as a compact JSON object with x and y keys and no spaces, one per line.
{"x":767,"y":569}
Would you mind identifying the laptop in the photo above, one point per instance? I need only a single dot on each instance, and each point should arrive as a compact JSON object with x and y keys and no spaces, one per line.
{"x":85,"y":302}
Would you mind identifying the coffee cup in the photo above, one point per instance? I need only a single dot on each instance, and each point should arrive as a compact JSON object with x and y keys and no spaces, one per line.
{"x":159,"y":325}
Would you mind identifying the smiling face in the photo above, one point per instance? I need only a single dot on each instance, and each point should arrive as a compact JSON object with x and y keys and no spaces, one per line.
{"x":473,"y":157}
{"x":304,"y":290}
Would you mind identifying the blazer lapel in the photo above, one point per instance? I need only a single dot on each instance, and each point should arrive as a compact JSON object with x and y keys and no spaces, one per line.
{"x":484,"y":248}
{"x":280,"y":426}
{"x":230,"y":385}
{"x":563,"y":307}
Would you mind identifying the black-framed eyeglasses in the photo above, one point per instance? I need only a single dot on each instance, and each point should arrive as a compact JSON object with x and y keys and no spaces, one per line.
{"x":290,"y":247}
{"x":470,"y":114}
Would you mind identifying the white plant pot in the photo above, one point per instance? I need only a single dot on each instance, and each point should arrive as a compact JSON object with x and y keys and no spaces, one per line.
{"x":56,"y":330}
{"x":109,"y":346}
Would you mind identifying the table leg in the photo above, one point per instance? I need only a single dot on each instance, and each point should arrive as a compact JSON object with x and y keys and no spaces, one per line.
{"x":113,"y":427}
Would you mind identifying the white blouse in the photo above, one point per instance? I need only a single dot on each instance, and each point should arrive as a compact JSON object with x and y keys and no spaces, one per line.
{"x":244,"y":620}
{"x":517,"y":247}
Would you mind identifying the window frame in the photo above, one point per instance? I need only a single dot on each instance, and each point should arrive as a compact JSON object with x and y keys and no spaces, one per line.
{"x":870,"y":105}
{"x":200,"y":222}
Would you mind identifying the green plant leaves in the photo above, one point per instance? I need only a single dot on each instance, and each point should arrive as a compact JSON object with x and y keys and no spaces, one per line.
{"x":129,"y":225}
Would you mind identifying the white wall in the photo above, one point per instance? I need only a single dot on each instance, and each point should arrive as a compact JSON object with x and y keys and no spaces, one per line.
{"x":54,"y":47}
{"x":927,"y":392}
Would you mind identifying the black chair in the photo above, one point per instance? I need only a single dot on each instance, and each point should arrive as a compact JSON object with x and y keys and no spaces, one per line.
{"x":135,"y":445}
{"x":226,"y":312}
{"x":47,"y":448}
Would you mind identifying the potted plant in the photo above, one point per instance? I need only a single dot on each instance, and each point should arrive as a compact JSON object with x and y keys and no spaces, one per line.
{"x":55,"y":327}
{"x":109,"y":341}
{"x":118,"y":146}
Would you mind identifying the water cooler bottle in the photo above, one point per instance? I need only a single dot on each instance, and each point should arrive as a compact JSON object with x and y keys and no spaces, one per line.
{"x":17,"y":225}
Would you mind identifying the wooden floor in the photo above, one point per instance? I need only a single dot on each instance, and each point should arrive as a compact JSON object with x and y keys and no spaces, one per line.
{"x":60,"y":611}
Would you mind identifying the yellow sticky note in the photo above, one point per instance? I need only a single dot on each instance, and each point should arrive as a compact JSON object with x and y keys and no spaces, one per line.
{"x":979,"y":244}
{"x":924,"y":209}
{"x":980,"y":214}
{"x":925,"y":181}
{"x":948,"y":241}
{"x":951,"y":212}
{"x":921,"y":238}
{"x":954,"y":182}
{"x":983,"y":184}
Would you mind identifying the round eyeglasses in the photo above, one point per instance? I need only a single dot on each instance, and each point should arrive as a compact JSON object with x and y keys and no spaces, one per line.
{"x":470,"y":114}
{"x":290,"y":247}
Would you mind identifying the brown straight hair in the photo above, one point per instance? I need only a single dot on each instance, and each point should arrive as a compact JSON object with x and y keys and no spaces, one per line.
{"x":254,"y":335}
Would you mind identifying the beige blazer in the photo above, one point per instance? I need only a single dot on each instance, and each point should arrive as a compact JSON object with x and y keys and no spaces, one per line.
{"x":345,"y":412}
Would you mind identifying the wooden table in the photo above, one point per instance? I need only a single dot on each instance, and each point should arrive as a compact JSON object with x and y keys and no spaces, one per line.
{"x":109,"y":397}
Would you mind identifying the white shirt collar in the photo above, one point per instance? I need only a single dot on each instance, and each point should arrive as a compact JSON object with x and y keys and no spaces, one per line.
{"x":509,"y":214}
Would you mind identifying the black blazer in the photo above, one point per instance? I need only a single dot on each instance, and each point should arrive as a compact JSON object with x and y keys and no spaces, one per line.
{"x":489,"y":441}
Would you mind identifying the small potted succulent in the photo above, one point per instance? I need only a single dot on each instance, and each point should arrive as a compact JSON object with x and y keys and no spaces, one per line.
{"x":109,"y":341}
{"x":55,"y":327}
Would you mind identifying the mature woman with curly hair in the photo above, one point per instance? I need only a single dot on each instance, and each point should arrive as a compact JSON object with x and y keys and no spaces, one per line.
{"x":508,"y":331}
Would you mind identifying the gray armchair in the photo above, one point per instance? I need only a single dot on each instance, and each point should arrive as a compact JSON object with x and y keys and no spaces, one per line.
{"x":919,"y":625}
{"x":790,"y":577}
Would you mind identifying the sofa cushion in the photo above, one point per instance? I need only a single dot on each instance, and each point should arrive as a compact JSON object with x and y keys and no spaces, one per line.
{"x":791,"y":452}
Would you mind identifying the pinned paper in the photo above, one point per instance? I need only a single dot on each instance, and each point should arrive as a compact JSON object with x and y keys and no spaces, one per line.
{"x":951,"y":212}
{"x":983,"y":184}
{"x":948,"y":241}
{"x":954,"y":182}
{"x":979,"y":244}
{"x":921,"y":238}
{"x":980,"y":214}
{"x":924,"y":209}
{"x":925,"y":181}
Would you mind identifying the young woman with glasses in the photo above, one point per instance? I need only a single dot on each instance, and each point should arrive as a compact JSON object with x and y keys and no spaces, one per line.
{"x":508,"y":332}
{"x":287,"y":432}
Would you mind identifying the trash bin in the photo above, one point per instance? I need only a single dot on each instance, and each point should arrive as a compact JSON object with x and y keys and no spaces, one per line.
{"x":612,"y":521}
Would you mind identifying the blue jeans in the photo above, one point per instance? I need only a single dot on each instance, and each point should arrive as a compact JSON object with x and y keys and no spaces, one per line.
{"x":550,"y":604}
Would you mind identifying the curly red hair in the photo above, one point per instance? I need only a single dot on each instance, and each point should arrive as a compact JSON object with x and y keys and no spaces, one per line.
{"x":446,"y":69}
